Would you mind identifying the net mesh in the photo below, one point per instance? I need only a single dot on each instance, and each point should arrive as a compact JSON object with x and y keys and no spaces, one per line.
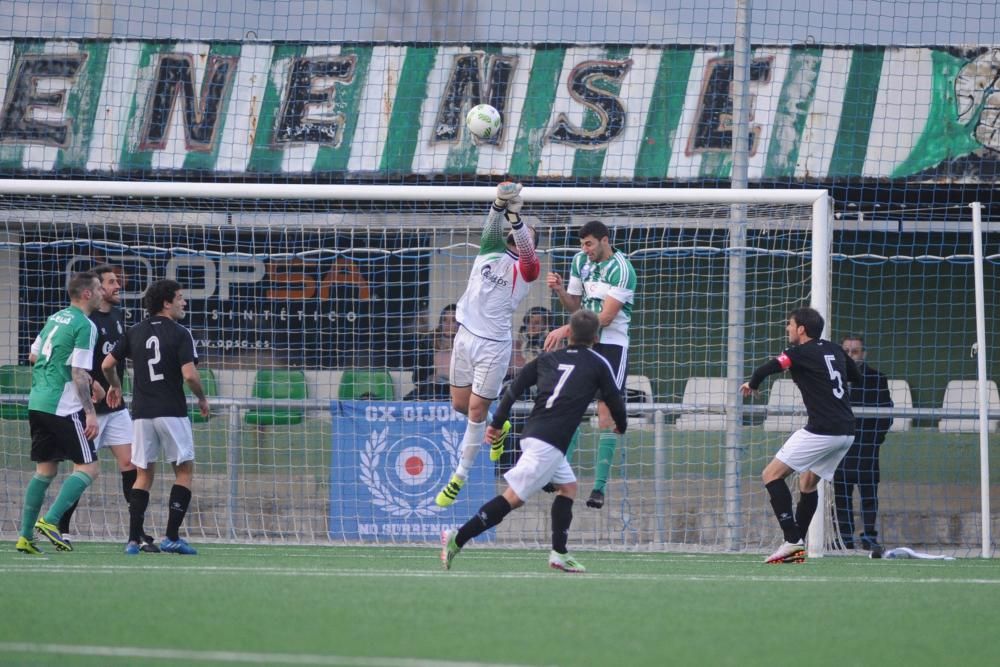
{"x":891,"y":106}
{"x":345,"y":299}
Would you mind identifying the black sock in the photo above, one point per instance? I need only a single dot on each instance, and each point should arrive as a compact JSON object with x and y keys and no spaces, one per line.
{"x":804,"y":512}
{"x":180,"y":497}
{"x":488,"y":516}
{"x":67,"y":515}
{"x":128,"y":481}
{"x":781,"y":502}
{"x":562,"y":517}
{"x":137,"y":514}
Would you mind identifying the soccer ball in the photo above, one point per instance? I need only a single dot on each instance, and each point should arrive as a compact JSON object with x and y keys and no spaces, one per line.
{"x":483,"y":121}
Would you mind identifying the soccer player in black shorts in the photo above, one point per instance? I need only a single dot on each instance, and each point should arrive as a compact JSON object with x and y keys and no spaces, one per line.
{"x":567,"y":380}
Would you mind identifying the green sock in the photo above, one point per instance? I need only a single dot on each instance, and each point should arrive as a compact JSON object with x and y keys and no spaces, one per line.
{"x":71,"y":490}
{"x":34,"y":496}
{"x":605,"y":454}
{"x":572,"y":445}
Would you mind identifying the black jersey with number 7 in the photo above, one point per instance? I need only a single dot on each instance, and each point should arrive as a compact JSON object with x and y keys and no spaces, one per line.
{"x":567,"y":380}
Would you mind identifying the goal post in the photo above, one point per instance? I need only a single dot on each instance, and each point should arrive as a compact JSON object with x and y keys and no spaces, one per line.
{"x":437,"y":193}
{"x":326,"y":281}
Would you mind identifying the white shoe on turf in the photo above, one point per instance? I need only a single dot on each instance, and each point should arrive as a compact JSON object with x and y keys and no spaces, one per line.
{"x":449,"y":549}
{"x":788,"y":552}
{"x":565,"y":562}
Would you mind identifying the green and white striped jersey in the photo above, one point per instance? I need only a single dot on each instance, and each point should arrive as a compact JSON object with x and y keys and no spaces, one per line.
{"x":614,"y":277}
{"x":67,"y":340}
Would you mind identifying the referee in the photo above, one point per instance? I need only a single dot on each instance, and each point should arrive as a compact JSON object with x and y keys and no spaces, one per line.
{"x":567,"y":381}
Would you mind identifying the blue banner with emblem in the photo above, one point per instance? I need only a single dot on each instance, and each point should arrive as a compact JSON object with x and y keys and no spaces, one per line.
{"x":390,"y":460}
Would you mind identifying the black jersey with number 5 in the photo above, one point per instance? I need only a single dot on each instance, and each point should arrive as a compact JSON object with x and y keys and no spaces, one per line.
{"x":821,"y":371}
{"x":567,"y":380}
{"x":158,"y":348}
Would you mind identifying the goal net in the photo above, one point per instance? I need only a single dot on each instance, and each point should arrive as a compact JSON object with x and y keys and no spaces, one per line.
{"x":317,"y":319}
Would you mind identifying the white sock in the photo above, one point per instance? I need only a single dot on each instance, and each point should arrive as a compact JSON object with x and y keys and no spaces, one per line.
{"x":474,"y":434}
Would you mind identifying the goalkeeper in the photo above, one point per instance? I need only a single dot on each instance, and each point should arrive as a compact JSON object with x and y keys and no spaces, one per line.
{"x":502,"y":275}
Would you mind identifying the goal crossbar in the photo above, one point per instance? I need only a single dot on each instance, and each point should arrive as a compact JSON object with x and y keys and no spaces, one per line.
{"x":26,"y":187}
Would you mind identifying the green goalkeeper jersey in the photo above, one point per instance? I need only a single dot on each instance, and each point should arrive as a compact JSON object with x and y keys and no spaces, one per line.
{"x":67,"y":340}
{"x":614,"y":277}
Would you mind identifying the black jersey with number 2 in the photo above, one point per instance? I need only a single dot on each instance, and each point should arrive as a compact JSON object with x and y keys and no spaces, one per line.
{"x":567,"y":380}
{"x":158,"y":348}
{"x":821,"y":371}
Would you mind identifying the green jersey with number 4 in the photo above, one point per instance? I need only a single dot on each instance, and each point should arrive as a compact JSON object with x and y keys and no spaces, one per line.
{"x":67,"y":341}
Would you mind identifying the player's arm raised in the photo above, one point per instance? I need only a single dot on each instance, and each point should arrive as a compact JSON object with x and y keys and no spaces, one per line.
{"x":769,"y":367}
{"x":527,"y":260}
{"x":492,"y":239}
{"x":570,"y":302}
{"x":571,"y":299}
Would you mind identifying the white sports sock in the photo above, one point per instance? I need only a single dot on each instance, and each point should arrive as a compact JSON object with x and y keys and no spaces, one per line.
{"x":474,"y":434}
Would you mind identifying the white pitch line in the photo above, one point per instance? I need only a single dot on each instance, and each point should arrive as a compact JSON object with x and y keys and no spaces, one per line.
{"x":39,"y":568}
{"x":236,"y":656}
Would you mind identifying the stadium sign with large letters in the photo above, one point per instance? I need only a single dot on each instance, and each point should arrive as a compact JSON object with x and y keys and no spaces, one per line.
{"x":571,"y":112}
{"x":389,"y":461}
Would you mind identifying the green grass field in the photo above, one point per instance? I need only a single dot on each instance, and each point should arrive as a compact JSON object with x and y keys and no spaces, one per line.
{"x":396,"y":607}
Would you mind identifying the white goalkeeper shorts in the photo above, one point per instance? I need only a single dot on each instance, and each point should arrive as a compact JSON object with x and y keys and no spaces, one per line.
{"x":540,"y":463}
{"x":170,"y":435}
{"x":479,"y":362}
{"x":810,"y":451}
{"x":114,"y":428}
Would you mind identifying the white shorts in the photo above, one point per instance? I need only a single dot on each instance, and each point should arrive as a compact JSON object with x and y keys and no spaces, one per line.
{"x":479,"y":362}
{"x":540,"y":463}
{"x":115,"y":429}
{"x":171,"y":435}
{"x":819,"y":453}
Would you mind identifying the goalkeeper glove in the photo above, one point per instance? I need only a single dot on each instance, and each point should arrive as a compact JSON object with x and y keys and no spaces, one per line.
{"x":506,"y":192}
{"x":512,"y":212}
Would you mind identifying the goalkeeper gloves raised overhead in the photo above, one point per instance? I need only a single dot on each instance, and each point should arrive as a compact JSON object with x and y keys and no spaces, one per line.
{"x":514,"y":205}
{"x":509,"y":198}
{"x":506,"y":192}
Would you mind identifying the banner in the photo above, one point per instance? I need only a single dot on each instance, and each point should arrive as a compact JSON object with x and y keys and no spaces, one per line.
{"x":580,"y":112}
{"x":390,"y":460}
{"x":297,"y":292}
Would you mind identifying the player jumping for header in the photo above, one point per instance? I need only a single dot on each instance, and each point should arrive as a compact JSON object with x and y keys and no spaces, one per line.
{"x":501,"y":277}
{"x":602,"y":280}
